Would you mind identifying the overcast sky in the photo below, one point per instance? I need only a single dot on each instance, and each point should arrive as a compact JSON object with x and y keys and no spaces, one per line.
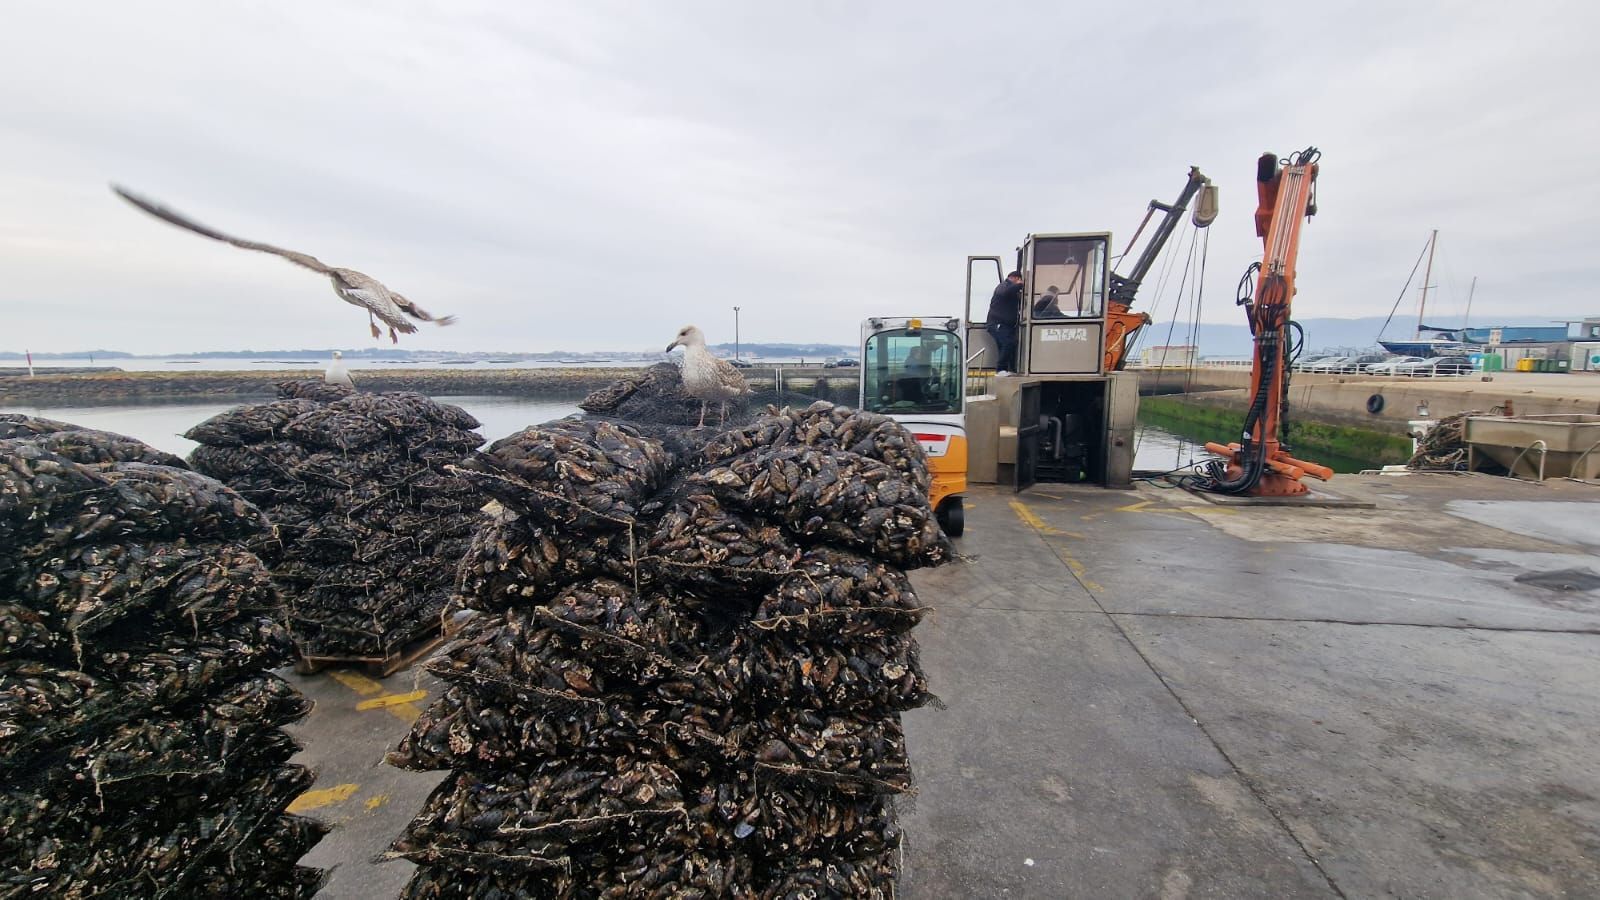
{"x":594,"y":175}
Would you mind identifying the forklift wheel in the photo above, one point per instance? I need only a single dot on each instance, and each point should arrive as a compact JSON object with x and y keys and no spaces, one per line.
{"x":952,"y":518}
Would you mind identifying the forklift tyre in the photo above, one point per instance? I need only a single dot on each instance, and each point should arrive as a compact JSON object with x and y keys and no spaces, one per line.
{"x":952,"y":517}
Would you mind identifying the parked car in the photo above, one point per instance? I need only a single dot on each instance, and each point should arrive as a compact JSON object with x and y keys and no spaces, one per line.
{"x":846,"y":363}
{"x":1438,"y":365}
{"x":1390,"y":365}
{"x":739,"y":364}
{"x":1332,"y":364}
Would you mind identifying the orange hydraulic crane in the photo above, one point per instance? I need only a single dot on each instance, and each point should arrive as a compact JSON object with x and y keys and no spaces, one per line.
{"x":1260,"y":465}
{"x":1121,"y":323}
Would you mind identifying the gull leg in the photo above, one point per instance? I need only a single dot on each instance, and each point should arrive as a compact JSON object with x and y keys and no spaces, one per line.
{"x":723,"y":419}
{"x":373,"y":324}
{"x":393,"y":338}
{"x":702,"y":414}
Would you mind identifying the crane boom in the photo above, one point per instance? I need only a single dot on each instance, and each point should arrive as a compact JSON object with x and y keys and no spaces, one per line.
{"x":1260,"y":465}
{"x":1122,"y":324}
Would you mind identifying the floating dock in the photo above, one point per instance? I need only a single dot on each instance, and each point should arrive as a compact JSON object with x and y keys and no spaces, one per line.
{"x":1151,"y":696}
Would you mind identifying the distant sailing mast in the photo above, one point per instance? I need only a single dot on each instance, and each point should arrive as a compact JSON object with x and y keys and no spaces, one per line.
{"x":1427,"y":275}
{"x":1466,"y":320}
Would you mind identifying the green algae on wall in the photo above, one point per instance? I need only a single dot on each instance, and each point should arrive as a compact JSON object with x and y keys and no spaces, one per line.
{"x":1354,"y":448}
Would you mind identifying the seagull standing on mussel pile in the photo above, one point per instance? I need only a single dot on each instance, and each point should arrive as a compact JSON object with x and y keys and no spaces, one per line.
{"x":337,"y":373}
{"x":352,"y":287}
{"x":705,"y":377}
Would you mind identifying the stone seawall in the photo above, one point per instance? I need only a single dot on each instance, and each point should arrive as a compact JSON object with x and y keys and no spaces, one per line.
{"x":1344,"y":399}
{"x":108,"y":388}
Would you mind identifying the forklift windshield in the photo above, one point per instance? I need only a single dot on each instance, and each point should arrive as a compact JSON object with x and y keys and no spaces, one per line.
{"x":905,"y":371}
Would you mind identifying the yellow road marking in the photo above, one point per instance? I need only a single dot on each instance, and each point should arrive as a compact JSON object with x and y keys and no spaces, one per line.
{"x":324,"y":797}
{"x":397,"y":705}
{"x":1135,"y":507}
{"x":388,"y":700}
{"x":1078,"y":570}
{"x":377,"y":800}
{"x":1031,"y":519}
{"x":357,"y":682}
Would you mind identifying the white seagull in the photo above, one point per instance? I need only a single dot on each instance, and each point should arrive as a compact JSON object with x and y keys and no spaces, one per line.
{"x":337,"y":373}
{"x":706,"y":377}
{"x":352,"y":287}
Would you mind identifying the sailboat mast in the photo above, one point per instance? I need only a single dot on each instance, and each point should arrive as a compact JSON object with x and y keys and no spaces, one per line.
{"x":1427,"y":274}
{"x":1466,"y":320}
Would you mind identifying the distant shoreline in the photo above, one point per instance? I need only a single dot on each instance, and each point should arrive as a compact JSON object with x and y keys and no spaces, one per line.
{"x":113,"y":388}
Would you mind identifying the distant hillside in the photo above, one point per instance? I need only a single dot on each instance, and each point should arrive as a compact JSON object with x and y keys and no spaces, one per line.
{"x":785,"y":350}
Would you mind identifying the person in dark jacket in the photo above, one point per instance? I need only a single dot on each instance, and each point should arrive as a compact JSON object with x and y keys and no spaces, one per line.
{"x":1001,"y":323}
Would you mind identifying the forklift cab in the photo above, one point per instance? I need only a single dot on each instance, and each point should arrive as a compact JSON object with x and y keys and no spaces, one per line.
{"x":914,"y":370}
{"x":1060,"y":417}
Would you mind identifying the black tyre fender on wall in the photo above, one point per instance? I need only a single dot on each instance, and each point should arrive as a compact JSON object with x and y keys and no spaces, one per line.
{"x":1375,"y":404}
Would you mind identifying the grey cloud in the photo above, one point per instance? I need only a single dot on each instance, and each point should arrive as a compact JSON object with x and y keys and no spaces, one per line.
{"x":595,"y":175}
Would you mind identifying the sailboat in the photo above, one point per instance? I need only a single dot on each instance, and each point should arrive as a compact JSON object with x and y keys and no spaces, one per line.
{"x":1449,"y":341}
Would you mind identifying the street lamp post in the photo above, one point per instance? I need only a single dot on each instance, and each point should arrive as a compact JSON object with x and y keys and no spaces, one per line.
{"x":736,"y":333}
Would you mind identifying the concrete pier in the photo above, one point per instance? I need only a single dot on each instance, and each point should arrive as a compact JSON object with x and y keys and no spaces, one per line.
{"x":1150,"y":696}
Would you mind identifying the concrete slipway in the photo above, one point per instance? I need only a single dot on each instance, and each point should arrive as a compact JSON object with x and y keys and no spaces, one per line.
{"x":1150,"y":696}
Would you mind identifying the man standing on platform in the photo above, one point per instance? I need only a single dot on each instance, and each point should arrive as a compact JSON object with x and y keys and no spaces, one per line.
{"x":1001,"y":323}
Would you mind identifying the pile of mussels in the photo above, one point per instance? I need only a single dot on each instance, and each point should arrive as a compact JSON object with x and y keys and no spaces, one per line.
{"x":141,"y":752}
{"x":688,"y":668}
{"x":368,"y":524}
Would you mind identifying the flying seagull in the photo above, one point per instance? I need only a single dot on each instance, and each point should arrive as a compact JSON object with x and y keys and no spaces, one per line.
{"x":705,"y":377}
{"x":352,"y":287}
{"x":337,"y":373}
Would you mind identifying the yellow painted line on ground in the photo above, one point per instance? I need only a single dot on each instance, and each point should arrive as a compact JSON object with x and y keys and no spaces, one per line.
{"x":388,"y":700}
{"x":1078,"y":570}
{"x":1031,"y":519}
{"x":1135,"y":507}
{"x":357,"y":682}
{"x":398,"y":705}
{"x":323,"y":797}
{"x":377,"y":800}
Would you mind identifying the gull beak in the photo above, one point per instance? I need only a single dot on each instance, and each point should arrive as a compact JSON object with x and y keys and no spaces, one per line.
{"x":670,"y":346}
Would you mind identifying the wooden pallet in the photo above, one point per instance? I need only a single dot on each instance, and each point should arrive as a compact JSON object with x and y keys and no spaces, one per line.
{"x":402,"y":657}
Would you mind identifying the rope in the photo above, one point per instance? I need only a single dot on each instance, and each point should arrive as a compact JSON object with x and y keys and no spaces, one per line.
{"x":1414,"y":266}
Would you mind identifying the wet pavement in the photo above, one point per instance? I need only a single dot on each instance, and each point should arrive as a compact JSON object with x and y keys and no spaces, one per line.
{"x":1149,"y":696}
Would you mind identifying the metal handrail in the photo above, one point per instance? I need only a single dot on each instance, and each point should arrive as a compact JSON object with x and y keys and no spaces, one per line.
{"x":1544,"y":450}
{"x":1577,"y":464}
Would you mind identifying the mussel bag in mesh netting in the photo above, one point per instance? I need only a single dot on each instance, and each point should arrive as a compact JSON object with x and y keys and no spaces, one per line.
{"x":369,"y":519}
{"x":690,"y":657}
{"x":141,"y":744}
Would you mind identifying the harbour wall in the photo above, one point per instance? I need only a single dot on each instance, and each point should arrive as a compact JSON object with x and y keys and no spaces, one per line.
{"x":1344,"y":399}
{"x":116,"y":387}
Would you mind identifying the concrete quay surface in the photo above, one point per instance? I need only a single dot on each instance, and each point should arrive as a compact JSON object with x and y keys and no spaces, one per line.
{"x":1147,"y":695}
{"x":1342,"y":399}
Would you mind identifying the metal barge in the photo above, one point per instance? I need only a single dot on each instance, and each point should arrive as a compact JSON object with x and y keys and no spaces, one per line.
{"x":1150,"y":695}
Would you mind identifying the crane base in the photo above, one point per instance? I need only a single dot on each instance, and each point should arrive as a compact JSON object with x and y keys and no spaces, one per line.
{"x":1282,"y":478}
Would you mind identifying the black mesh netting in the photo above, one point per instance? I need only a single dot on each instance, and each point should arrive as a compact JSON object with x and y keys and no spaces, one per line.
{"x":369,"y":520}
{"x":141,"y":747}
{"x":690,"y":657}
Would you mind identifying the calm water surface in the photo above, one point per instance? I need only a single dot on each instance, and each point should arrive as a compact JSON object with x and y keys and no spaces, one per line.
{"x":161,"y":425}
